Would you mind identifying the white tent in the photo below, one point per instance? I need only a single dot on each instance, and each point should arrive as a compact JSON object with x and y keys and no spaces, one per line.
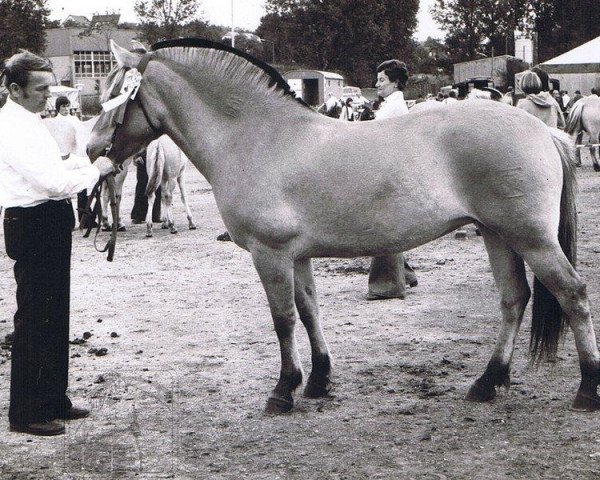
{"x":61,"y":91}
{"x":577,"y":69}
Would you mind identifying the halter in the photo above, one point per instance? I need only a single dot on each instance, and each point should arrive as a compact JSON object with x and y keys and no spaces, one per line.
{"x":131,"y":95}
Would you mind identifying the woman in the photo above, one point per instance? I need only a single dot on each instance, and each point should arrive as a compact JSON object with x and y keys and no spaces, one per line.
{"x":540,"y":103}
{"x":390,"y":273}
{"x":347,"y":113}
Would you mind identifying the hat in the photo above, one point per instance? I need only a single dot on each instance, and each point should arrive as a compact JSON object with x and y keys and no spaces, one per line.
{"x":494,"y":93}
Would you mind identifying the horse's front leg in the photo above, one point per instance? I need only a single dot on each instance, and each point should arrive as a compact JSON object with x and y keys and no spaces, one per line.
{"x":106,"y":227}
{"x":276,"y":272}
{"x":319,"y":381}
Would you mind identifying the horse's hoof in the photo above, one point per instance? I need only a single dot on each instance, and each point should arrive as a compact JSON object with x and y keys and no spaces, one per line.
{"x":106,"y":228}
{"x":149,"y":235}
{"x":586,"y":403}
{"x":596,"y":169}
{"x":174,"y":230}
{"x":192,"y":226}
{"x":481,"y":392}
{"x":317,"y":388}
{"x":164,"y":226}
{"x":277,"y":406}
{"x":121,"y":228}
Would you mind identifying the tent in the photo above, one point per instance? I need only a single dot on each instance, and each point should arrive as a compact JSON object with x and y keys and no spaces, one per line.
{"x":72,"y":94}
{"x":577,"y":69}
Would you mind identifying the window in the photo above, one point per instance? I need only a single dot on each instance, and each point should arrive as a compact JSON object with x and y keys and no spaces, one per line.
{"x":92,"y":64}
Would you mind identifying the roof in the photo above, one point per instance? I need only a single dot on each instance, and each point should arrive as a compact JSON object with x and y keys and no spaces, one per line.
{"x":62,"y":42}
{"x":77,"y":19}
{"x":312,"y":73}
{"x":588,"y":53}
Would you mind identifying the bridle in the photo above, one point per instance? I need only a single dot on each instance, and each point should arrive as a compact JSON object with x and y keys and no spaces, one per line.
{"x":120,"y":113}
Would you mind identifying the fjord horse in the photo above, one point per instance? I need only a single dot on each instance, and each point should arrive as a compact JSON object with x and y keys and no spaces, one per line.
{"x":292,"y":185}
{"x":585,"y":117}
{"x":166,"y":165}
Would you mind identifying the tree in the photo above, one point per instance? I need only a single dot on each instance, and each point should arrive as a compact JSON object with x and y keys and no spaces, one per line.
{"x":165,"y":19}
{"x":566,"y":25}
{"x":22,"y":24}
{"x":481,"y":27}
{"x":351,"y":36}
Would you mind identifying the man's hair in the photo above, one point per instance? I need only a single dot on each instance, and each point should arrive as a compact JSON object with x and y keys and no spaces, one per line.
{"x":17,"y":67}
{"x":60,"y":101}
{"x":396,"y":71}
{"x":531,"y":83}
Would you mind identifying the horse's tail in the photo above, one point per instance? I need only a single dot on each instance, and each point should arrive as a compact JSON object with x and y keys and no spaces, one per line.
{"x":574,"y":121}
{"x":155,"y":165}
{"x":548,"y":321}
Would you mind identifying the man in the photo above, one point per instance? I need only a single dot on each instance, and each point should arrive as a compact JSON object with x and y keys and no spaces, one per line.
{"x":35,"y":186}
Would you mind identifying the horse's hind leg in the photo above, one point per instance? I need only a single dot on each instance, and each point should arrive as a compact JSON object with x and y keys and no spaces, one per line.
{"x":275,"y":269}
{"x":149,"y":214}
{"x":578,"y":141}
{"x":556,"y":273}
{"x":319,"y":381}
{"x":183,"y":193}
{"x":595,"y":139}
{"x":509,"y":274}
{"x":168,"y":188}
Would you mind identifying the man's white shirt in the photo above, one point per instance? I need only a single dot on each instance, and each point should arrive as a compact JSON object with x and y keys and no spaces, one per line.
{"x":31,"y":168}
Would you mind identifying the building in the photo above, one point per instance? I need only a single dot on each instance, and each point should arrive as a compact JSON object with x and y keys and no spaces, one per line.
{"x":500,"y":69}
{"x":577,"y":69}
{"x":83,"y":60}
{"x":314,"y":86}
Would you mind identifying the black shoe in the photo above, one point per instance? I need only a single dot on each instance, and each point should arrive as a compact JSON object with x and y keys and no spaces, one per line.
{"x":45,"y":429}
{"x":74,"y":413}
{"x":224,"y":237}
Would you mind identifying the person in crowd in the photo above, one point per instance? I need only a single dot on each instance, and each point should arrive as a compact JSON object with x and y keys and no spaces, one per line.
{"x":347,"y":113}
{"x":574,"y":99}
{"x":35,"y":187}
{"x":389,"y":274}
{"x":63,"y":112}
{"x":564,"y":96}
{"x":140,"y":202}
{"x":451,"y":98}
{"x":538,"y":101}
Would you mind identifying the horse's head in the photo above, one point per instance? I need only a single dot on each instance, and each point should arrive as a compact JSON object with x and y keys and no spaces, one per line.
{"x":125,"y":126}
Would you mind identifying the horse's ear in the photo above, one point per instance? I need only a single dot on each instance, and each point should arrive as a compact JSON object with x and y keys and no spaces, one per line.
{"x":138,"y":47}
{"x":124,"y":57}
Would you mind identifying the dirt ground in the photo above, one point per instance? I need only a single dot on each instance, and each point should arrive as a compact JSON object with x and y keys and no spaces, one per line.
{"x":192,"y":355}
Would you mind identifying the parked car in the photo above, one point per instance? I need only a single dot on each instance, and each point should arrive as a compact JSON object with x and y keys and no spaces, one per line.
{"x":355,"y":94}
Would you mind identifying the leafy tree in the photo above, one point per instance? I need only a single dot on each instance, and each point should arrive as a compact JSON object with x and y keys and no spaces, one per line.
{"x":566,"y":25}
{"x":22,"y":24}
{"x":165,"y":19}
{"x":351,"y":36}
{"x":479,"y":27}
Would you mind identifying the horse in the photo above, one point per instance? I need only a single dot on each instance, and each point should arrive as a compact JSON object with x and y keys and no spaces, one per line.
{"x":585,"y":117}
{"x":292,"y":185}
{"x":166,"y":164}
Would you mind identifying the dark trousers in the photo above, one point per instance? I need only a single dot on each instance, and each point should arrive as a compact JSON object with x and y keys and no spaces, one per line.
{"x":140,"y":203}
{"x":38,"y":239}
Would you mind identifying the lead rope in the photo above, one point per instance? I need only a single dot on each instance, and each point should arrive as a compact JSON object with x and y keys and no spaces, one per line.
{"x":89,"y":214}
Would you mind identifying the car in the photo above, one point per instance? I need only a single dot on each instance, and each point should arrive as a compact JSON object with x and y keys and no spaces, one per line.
{"x":355,"y":94}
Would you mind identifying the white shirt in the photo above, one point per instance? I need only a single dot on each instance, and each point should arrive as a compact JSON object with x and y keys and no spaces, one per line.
{"x":392,"y":106}
{"x":31,"y":168}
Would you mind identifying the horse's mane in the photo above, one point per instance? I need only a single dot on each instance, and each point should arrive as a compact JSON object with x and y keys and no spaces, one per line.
{"x":273,"y":77}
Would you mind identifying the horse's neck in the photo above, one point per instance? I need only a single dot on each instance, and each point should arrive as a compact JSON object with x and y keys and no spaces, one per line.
{"x":217,"y":133}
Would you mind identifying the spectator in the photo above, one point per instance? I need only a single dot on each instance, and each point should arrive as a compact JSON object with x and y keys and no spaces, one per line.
{"x":347,"y":113}
{"x":538,"y":102}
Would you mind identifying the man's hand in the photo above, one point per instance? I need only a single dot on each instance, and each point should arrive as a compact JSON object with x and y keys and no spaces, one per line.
{"x":104,"y":166}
